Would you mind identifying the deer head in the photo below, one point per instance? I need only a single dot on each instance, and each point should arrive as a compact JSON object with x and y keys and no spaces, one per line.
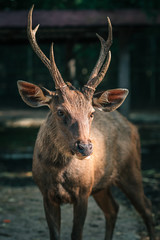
{"x":72,"y":110}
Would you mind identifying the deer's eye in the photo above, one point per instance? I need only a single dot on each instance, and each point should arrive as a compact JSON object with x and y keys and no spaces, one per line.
{"x":92,"y":115}
{"x":60,"y":113}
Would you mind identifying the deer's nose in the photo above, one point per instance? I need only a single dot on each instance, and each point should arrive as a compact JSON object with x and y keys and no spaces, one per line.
{"x":84,"y":148}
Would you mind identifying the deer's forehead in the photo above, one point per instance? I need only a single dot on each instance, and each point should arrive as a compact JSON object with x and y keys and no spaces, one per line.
{"x":76,"y":102}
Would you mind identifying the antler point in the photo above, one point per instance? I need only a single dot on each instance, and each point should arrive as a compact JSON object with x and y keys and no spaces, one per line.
{"x":36,"y":28}
{"x":109,"y":21}
{"x":31,"y":10}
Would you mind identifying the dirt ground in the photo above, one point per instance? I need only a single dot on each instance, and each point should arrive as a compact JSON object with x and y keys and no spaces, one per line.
{"x":22,"y":217}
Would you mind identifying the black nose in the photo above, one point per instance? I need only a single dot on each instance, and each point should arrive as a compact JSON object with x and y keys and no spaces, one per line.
{"x":83,"y":148}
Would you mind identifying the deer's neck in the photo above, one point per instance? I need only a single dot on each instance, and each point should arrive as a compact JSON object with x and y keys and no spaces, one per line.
{"x":49,"y":146}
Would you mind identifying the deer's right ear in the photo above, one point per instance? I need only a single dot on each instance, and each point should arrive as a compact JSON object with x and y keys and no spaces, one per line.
{"x":34,"y":95}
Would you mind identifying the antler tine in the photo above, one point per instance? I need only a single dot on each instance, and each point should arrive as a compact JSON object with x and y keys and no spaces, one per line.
{"x":101,"y":68}
{"x":96,"y":80}
{"x":105,"y":46}
{"x":32,"y":39}
{"x":59,"y":83}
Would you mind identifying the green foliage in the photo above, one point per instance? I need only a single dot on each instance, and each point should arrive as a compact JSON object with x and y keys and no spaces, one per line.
{"x":146,"y":5}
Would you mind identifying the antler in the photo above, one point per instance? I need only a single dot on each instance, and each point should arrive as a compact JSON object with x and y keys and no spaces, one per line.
{"x":50,"y":64}
{"x":101,"y":68}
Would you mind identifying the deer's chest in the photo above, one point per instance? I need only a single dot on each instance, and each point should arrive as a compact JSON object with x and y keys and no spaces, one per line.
{"x":67,"y":185}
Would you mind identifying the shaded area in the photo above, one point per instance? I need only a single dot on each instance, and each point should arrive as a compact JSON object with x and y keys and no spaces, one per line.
{"x":21,"y":208}
{"x":135,"y":65}
{"x":22,"y":214}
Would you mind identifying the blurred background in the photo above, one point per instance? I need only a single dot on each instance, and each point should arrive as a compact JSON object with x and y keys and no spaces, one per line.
{"x":72,"y":26}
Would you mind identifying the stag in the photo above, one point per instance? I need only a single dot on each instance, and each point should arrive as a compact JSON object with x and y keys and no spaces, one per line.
{"x":84,"y":146}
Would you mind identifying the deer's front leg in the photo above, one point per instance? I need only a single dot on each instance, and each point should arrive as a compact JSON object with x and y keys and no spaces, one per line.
{"x":53,"y":217}
{"x":80,"y":211}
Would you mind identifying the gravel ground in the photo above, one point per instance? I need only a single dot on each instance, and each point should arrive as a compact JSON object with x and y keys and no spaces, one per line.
{"x":22,"y":217}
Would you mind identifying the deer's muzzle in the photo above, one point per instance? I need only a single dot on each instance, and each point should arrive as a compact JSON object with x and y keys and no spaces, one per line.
{"x":82,"y":149}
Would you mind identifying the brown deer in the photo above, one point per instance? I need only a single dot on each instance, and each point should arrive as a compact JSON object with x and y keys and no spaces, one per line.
{"x":82,"y":151}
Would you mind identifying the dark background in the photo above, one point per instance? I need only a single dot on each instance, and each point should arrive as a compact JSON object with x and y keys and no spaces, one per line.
{"x":135,"y":65}
{"x":140,"y":41}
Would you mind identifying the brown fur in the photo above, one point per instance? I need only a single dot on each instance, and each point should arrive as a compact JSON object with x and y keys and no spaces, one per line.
{"x":63,"y":178}
{"x":76,"y":156}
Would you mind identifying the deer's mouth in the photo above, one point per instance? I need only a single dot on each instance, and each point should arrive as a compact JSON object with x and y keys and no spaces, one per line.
{"x":80,"y":156}
{"x":83,"y":157}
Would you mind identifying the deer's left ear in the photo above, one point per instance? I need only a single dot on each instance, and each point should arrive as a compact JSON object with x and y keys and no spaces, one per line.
{"x":110,"y":100}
